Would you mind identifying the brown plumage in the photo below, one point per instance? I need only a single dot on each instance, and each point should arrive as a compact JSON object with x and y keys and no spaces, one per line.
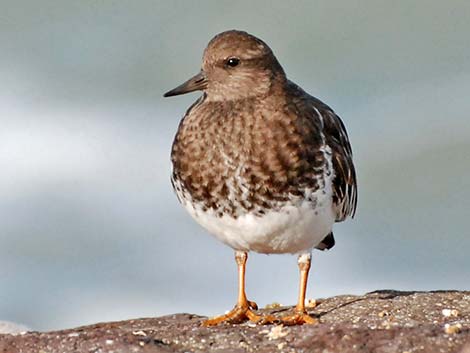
{"x":257,"y":154}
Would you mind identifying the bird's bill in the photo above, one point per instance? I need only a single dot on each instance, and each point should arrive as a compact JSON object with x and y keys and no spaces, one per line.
{"x":195,"y":83}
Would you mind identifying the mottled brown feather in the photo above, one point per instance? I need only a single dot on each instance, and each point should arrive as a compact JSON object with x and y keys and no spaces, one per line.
{"x":259,"y":149}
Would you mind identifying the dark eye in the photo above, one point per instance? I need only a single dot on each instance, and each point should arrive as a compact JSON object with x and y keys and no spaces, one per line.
{"x":232,"y":62}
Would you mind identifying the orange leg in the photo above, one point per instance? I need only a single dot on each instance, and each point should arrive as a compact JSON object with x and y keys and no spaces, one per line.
{"x":300,"y":315}
{"x":243,"y":310}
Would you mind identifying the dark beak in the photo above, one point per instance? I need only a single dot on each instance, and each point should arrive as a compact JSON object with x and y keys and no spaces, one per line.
{"x":195,"y":83}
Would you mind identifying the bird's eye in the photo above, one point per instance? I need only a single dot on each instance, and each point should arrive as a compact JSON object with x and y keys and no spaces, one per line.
{"x":232,"y":62}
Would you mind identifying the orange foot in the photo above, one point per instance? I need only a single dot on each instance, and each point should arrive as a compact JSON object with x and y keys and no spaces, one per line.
{"x":239,"y":314}
{"x":298,"y":318}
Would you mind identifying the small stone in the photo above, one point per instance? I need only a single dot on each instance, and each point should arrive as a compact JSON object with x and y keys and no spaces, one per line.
{"x":281,"y":345}
{"x":451,"y":329}
{"x":311,"y":303}
{"x":450,"y":312}
{"x":383,"y":313}
{"x":139,"y":333}
{"x":277,"y":332}
{"x":109,"y":342}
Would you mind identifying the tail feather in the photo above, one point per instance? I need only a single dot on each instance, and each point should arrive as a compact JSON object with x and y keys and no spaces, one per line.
{"x":327,"y":243}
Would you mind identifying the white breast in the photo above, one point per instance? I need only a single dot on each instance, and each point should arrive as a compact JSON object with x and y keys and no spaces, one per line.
{"x":292,"y":229}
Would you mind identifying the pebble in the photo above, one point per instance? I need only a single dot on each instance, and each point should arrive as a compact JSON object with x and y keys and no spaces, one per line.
{"x":277,"y":332}
{"x":451,"y":329}
{"x":274,"y":305}
{"x":450,"y":312}
{"x":139,"y":333}
{"x":311,"y":303}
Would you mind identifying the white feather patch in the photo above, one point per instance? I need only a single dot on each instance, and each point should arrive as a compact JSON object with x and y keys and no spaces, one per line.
{"x":292,"y":229}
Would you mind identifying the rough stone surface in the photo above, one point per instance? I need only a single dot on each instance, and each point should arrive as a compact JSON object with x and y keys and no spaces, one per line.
{"x":382,"y":321}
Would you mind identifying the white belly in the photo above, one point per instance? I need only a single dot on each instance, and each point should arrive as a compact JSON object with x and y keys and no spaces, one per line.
{"x":295,"y":228}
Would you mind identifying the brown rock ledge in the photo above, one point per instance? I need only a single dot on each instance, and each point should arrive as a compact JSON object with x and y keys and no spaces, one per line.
{"x":382,"y":321}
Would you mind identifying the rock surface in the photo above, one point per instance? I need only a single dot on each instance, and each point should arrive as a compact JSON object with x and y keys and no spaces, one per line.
{"x":382,"y":321}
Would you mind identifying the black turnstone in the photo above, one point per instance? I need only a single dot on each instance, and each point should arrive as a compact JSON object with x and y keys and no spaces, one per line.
{"x":261,"y":164}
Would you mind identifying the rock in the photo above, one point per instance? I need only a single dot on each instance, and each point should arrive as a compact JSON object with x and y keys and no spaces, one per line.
{"x":382,"y":321}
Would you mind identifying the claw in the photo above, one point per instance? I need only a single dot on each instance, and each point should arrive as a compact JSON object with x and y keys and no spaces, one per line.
{"x":240,"y":314}
{"x":298,"y":318}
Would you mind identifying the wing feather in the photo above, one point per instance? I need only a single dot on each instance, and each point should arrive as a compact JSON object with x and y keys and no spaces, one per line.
{"x":336,"y":138}
{"x":344,"y":182}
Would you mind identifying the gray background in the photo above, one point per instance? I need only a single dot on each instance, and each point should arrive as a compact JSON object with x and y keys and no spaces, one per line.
{"x":89,"y":227}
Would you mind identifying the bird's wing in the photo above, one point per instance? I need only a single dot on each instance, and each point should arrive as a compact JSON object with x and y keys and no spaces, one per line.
{"x":344,"y":182}
{"x":336,"y":138}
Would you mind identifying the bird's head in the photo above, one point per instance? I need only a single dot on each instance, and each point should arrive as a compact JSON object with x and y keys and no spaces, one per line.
{"x":236,"y":65}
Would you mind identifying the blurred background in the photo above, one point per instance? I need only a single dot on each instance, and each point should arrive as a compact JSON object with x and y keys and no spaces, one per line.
{"x":89,"y":227}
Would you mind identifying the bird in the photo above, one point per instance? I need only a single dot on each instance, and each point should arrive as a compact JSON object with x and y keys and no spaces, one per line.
{"x":260,"y":164}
